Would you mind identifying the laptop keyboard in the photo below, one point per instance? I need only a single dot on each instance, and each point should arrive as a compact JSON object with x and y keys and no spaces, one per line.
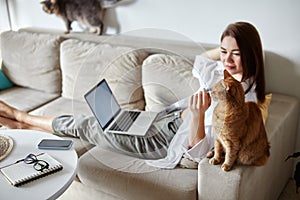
{"x":124,"y":122}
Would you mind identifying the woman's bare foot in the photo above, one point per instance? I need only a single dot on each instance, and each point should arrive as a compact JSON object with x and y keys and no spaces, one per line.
{"x":13,"y":118}
{"x":11,"y":112}
{"x":12,"y":124}
{"x":7,"y":111}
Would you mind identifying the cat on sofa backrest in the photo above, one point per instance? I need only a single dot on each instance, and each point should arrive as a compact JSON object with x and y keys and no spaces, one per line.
{"x":87,"y":12}
{"x":238,"y":125}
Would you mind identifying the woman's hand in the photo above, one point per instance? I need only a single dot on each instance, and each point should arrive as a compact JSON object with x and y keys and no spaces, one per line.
{"x":199,"y":103}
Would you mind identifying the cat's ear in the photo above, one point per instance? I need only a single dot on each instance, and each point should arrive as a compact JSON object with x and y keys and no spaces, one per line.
{"x":227,"y":87}
{"x":53,"y":1}
{"x":43,"y":2}
{"x":226,"y":74}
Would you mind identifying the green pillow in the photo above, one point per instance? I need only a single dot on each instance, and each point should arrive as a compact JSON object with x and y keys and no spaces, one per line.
{"x":4,"y":81}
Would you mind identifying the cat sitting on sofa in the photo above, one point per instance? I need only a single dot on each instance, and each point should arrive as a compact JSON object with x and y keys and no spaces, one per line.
{"x":239,"y":127}
{"x":87,"y":12}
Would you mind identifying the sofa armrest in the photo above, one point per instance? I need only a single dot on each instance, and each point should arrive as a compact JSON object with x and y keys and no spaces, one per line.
{"x":214,"y":183}
{"x":266,"y":182}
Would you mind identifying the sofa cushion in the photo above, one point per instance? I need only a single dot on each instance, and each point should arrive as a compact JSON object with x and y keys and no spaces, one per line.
{"x":167,"y":79}
{"x":63,"y":106}
{"x":84,"y":64}
{"x":130,"y":178}
{"x":32,"y":60}
{"x":26,"y":99}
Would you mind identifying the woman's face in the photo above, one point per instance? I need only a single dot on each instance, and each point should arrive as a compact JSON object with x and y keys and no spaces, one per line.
{"x":231,"y":57}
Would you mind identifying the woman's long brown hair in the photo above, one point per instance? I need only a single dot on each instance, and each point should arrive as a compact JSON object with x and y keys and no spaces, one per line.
{"x":249,"y":43}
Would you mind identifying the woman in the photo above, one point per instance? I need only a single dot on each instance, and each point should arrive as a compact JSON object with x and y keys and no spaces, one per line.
{"x":240,"y":54}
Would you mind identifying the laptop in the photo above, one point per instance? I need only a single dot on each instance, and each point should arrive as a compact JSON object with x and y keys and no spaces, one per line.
{"x":111,"y":117}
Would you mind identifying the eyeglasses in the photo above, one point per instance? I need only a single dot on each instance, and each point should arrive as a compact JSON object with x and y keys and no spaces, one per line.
{"x":38,"y":165}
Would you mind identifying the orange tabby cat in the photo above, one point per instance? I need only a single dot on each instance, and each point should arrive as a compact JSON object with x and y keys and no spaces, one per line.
{"x":239,"y":127}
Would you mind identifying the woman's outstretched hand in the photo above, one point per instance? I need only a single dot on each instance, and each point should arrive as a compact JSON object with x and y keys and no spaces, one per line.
{"x":199,"y":103}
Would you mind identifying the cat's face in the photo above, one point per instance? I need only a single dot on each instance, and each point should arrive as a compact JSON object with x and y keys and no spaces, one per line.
{"x":228,"y":88}
{"x":218,"y":92}
{"x":48,"y":6}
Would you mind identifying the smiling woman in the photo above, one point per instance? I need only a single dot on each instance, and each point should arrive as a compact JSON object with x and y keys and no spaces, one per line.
{"x":230,"y":56}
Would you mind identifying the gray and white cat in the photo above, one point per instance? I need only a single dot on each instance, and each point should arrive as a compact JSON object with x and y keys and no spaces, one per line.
{"x":87,"y":12}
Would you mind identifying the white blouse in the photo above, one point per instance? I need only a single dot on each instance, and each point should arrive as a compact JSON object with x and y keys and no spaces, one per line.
{"x":208,"y":72}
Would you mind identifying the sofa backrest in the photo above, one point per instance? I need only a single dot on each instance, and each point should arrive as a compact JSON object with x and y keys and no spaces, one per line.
{"x":144,"y":73}
{"x":73,"y":64}
{"x":138,"y":77}
{"x":179,"y":45}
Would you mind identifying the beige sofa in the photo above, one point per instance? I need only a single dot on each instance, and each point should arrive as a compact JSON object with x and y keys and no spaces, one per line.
{"x":51,"y":73}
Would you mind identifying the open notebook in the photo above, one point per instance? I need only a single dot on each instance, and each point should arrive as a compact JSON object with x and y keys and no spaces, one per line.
{"x":19,"y":173}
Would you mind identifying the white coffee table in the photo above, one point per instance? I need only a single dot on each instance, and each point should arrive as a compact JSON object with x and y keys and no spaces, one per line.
{"x":49,"y":187}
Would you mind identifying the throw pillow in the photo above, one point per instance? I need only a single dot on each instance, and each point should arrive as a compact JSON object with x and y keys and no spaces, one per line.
{"x":166,"y":79}
{"x":32,"y":60}
{"x":84,"y":64}
{"x":264,"y":107}
{"x":4,"y":81}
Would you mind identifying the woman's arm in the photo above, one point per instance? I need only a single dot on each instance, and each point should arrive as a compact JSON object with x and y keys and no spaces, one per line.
{"x":199,"y":103}
{"x":184,"y":113}
{"x":213,"y":54}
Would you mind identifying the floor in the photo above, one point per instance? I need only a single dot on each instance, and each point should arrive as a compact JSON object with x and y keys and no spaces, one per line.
{"x":289,"y":193}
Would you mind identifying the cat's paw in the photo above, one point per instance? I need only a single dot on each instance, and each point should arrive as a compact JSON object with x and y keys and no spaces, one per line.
{"x":226,"y":167}
{"x":214,"y":161}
